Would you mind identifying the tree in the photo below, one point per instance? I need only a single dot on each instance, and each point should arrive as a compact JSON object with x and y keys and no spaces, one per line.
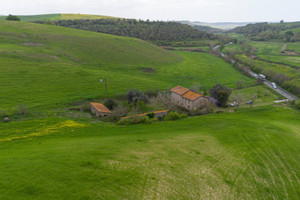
{"x":222,"y":97}
{"x":12,"y":18}
{"x":133,"y":96}
{"x":238,"y":98}
{"x":298,"y":104}
{"x":221,"y":93}
{"x":281,"y":21}
{"x":110,"y":104}
{"x":288,"y":35}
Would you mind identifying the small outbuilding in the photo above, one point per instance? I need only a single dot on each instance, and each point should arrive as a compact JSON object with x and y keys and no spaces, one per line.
{"x":100,"y":110}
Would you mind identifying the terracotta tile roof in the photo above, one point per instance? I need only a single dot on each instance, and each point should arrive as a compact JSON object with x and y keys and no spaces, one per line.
{"x":144,"y":114}
{"x":179,"y":90}
{"x":100,"y":107}
{"x":190,"y":95}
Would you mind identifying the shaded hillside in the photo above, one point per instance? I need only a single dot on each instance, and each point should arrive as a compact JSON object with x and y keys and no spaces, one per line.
{"x":154,"y":31}
{"x":267,"y":31}
{"x":58,"y":16}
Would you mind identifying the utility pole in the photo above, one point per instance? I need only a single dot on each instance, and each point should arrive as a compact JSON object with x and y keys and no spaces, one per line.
{"x":105,"y":84}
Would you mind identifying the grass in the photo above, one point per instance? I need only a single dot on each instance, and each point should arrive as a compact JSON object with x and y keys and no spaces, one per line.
{"x":44,"y":67}
{"x":51,"y":17}
{"x":244,"y":155}
{"x":264,"y":95}
{"x":271,"y":51}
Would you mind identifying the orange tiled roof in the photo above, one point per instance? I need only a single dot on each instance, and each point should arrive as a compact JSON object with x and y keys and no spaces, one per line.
{"x":190,"y":95}
{"x":179,"y":90}
{"x":100,"y":107}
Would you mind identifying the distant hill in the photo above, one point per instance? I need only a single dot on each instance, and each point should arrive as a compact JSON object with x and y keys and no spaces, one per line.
{"x":158,"y":32}
{"x":225,"y":26}
{"x":203,"y":28}
{"x":288,"y":32}
{"x":51,"y":17}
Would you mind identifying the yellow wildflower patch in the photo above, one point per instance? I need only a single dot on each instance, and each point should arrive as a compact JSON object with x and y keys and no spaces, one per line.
{"x":46,"y":130}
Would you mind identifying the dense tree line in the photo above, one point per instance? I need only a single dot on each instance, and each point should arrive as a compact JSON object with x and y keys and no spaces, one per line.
{"x":267,"y":31}
{"x":146,"y":30}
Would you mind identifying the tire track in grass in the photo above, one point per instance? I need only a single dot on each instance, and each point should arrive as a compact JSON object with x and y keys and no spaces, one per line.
{"x":286,"y":172}
{"x":277,"y":170}
{"x":236,"y":179}
{"x":290,"y":168}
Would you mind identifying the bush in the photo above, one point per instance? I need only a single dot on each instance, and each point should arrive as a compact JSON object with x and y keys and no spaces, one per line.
{"x":110,"y":104}
{"x":151,"y":115}
{"x":136,"y":120}
{"x":133,"y":96}
{"x":22,"y":110}
{"x":298,"y":104}
{"x":141,"y":106}
{"x":85,"y":107}
{"x":173,"y":115}
{"x":12,"y":18}
{"x":221,"y":93}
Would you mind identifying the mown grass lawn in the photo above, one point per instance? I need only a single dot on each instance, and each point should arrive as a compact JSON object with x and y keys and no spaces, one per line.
{"x":251,"y":154}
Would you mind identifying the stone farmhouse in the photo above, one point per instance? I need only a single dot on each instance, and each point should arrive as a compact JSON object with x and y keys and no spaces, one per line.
{"x":185,"y":98}
{"x":100,"y":110}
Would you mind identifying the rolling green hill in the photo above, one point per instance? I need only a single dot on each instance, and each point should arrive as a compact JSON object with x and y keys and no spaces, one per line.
{"x":44,"y":66}
{"x":270,"y":31}
{"x":52,"y":17}
{"x":252,"y":154}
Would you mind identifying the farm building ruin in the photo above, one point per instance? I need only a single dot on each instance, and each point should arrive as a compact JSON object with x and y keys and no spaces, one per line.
{"x":185,"y":98}
{"x":100,"y":110}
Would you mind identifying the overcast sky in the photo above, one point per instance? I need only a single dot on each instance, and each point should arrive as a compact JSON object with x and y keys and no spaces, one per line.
{"x":196,"y":10}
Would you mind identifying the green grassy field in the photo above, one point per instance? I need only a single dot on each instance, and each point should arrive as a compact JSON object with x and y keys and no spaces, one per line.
{"x":271,"y":51}
{"x":47,"y":66}
{"x":52,"y":17}
{"x":251,"y":154}
{"x":263,"y":95}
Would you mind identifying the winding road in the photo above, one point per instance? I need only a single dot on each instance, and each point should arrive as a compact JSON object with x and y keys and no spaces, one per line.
{"x":281,"y":91}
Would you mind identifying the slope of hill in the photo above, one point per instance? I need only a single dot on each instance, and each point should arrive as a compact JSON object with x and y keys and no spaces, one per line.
{"x":224,"y":26}
{"x":267,"y":31}
{"x":252,"y":154}
{"x":59,"y":16}
{"x":45,"y":66}
{"x":154,"y":31}
{"x":57,"y":63}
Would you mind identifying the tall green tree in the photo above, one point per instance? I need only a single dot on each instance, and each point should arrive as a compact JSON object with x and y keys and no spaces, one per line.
{"x":12,"y":18}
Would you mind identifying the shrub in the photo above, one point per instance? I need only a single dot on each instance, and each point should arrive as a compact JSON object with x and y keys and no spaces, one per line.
{"x":85,"y":107}
{"x":133,"y":96}
{"x":119,"y":111}
{"x":141,"y":106}
{"x":298,"y":104}
{"x":12,"y":18}
{"x":151,"y":115}
{"x":221,"y":93}
{"x":110,"y":104}
{"x":136,"y":120}
{"x":22,"y":110}
{"x":3,"y":113}
{"x":173,"y":115}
